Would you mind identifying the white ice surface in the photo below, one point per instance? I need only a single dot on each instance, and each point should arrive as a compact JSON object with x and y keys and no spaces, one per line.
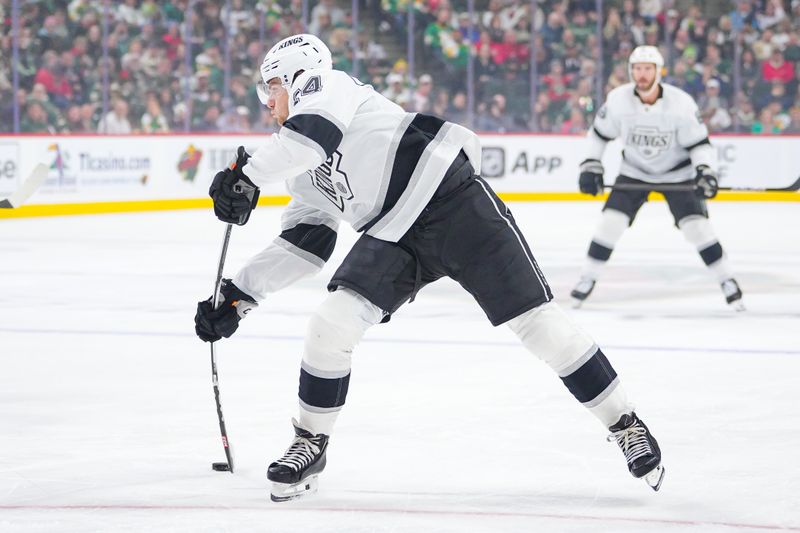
{"x":107,"y":419}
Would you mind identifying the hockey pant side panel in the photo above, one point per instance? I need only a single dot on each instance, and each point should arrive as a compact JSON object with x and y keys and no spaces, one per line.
{"x":333,"y":332}
{"x":550,"y":334}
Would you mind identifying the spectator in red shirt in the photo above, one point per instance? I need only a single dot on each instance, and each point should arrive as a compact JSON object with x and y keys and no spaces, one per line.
{"x":45,"y":73}
{"x":557,"y":82}
{"x":52,"y":76}
{"x":510,"y":50}
{"x":173,"y":41}
{"x":776,"y":68}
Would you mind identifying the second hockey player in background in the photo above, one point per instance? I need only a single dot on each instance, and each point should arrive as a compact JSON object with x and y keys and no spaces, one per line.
{"x":666,"y":149}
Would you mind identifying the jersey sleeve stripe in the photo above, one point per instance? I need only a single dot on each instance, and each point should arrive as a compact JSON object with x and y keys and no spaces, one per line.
{"x":324,"y":114}
{"x":604,"y":137}
{"x":698,"y":143}
{"x":318,"y":240}
{"x":683,"y":164}
{"x":307,"y":257}
{"x":318,"y":129}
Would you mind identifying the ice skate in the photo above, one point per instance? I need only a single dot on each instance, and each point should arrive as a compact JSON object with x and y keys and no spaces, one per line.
{"x":582,"y":291}
{"x":295,"y":474}
{"x":640,"y":448}
{"x":733,"y":294}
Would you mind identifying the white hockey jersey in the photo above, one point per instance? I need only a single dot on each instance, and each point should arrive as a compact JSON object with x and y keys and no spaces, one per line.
{"x":662,"y":142}
{"x":346,"y":153}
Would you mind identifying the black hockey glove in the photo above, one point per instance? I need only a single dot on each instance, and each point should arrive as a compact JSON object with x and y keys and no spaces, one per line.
{"x":234,"y":195}
{"x":591,"y":179}
{"x":212,"y":324}
{"x":705,"y":182}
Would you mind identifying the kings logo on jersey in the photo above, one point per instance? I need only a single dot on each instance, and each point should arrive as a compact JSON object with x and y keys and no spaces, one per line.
{"x":649,"y":141}
{"x":329,"y":179}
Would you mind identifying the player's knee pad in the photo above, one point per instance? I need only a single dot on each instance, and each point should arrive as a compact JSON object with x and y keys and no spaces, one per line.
{"x":612,"y":225}
{"x":335,"y":329}
{"x":552,"y":336}
{"x":698,"y":231}
{"x":583,"y":368}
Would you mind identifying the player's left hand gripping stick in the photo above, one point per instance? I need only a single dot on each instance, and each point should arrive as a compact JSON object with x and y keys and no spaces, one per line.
{"x":234,"y":195}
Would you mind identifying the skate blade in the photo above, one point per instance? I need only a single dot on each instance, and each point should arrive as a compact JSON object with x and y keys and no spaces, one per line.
{"x":738,"y":306}
{"x":576,"y":303}
{"x":655,"y":477}
{"x":284,"y":492}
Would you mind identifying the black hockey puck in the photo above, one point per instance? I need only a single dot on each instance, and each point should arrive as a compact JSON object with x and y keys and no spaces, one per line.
{"x":220,"y":467}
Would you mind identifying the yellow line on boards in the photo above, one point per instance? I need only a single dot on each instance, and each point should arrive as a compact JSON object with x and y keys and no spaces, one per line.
{"x":725,"y":196}
{"x":46,"y":210}
{"x":93,"y":208}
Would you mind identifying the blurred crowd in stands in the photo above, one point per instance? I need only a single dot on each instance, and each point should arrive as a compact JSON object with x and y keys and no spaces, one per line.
{"x":739,"y":59}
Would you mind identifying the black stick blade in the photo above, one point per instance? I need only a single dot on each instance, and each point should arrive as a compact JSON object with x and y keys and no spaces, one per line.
{"x":220,"y":467}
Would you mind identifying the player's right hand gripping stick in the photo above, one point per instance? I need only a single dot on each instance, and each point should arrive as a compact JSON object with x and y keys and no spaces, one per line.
{"x":591,"y":179}
{"x":234,"y":195}
{"x":212,"y":324}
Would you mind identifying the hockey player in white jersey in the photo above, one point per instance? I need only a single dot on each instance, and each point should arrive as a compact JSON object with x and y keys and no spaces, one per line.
{"x":411,"y":184}
{"x":666,"y":149}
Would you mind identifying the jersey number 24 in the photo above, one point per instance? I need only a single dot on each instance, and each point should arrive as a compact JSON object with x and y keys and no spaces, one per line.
{"x":313,"y":85}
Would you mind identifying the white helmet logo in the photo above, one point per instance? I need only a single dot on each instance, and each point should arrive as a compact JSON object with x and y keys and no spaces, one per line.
{"x":290,"y":41}
{"x":293,"y":54}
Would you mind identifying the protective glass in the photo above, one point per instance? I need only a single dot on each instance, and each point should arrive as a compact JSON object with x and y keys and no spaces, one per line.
{"x":265,"y":92}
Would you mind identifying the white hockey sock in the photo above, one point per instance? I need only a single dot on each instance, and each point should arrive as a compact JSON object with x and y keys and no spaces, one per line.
{"x":317,"y":423}
{"x":592,"y":268}
{"x":721,"y":269}
{"x":612,"y":225}
{"x":549,"y":334}
{"x":333,"y":332}
{"x":698,"y":231}
{"x":613,"y":406}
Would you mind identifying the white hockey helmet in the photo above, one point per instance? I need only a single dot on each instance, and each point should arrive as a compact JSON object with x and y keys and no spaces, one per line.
{"x":295,"y":53}
{"x":646,"y":54}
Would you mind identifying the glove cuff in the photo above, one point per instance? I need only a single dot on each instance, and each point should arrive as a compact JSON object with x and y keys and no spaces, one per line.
{"x":229,"y":292}
{"x":704,"y":170}
{"x":239,"y":300}
{"x":592,"y":165}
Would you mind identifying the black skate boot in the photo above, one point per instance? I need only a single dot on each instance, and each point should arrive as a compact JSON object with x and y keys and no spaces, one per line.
{"x":582,"y":291}
{"x":295,"y":474}
{"x":733,"y":294}
{"x":640,"y":449}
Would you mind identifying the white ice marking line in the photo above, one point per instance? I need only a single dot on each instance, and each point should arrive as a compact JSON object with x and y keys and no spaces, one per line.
{"x":389,"y":340}
{"x":403,"y":511}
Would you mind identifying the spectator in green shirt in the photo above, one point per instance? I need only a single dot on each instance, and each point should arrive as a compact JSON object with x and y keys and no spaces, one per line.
{"x":435,"y":28}
{"x":35,"y":119}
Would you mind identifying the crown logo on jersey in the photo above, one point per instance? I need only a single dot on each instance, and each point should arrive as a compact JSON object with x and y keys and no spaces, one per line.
{"x":329,"y":179}
{"x":649,"y":141}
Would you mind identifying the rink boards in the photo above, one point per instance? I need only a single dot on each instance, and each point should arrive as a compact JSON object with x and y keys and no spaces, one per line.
{"x":93,"y":173}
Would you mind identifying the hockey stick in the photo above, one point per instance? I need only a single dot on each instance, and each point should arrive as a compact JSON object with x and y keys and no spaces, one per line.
{"x":672,"y":187}
{"x":221,"y":467}
{"x":29,"y":186}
